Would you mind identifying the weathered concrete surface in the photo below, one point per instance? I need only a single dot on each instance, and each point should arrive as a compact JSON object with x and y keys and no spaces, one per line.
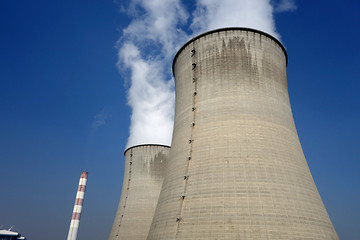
{"x":236,"y":169}
{"x":143,"y":178}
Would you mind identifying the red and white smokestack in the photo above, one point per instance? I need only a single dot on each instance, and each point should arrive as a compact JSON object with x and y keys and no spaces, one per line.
{"x":75,"y":220}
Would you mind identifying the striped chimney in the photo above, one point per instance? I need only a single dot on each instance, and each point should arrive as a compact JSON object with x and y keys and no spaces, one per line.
{"x":75,"y":220}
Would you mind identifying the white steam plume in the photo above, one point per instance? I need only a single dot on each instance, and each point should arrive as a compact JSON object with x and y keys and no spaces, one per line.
{"x":157,"y":30}
{"x":146,"y":48}
{"x":212,"y":14}
{"x":285,"y":5}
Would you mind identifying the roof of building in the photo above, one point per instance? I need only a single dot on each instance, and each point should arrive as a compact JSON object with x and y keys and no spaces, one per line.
{"x":8,"y":233}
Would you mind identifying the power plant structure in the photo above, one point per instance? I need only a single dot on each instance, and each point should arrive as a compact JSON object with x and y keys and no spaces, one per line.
{"x":75,"y":219}
{"x":143,"y":178}
{"x":236,"y":169}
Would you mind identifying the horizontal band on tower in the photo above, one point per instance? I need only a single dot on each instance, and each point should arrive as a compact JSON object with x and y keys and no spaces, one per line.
{"x":76,"y":216}
{"x":144,"y":145}
{"x":81,"y":188}
{"x":80,"y":194}
{"x":79,"y":201}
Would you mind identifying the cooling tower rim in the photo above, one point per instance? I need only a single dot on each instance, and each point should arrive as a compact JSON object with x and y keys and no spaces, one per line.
{"x":142,"y":145}
{"x":229,"y":29}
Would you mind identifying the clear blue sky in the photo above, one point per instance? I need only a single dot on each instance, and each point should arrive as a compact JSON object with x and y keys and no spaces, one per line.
{"x":63,"y":110}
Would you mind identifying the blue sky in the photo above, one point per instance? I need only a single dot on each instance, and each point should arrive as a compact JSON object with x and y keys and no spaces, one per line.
{"x":64,"y":110}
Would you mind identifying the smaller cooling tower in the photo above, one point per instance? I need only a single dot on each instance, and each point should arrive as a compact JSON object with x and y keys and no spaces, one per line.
{"x":143,"y":178}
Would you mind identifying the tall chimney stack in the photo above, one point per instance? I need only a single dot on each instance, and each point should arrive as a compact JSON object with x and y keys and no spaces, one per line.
{"x":75,"y":220}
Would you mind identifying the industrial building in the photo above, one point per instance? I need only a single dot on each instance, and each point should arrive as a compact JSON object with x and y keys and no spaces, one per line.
{"x":10,"y":235}
{"x":143,"y":178}
{"x":236,"y":169}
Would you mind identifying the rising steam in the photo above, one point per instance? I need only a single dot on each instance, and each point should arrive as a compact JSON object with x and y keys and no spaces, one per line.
{"x":212,"y":14}
{"x":157,"y":30}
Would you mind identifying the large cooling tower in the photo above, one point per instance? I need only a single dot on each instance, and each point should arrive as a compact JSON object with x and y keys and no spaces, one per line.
{"x":143,"y":178}
{"x":236,"y":168}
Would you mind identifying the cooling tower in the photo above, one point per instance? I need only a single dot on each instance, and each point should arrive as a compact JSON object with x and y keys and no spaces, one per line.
{"x":143,"y":178}
{"x":236,"y":169}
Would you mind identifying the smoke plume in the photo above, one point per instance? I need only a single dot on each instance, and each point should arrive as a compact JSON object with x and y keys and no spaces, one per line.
{"x":145,"y":49}
{"x":212,"y":14}
{"x":157,"y":30}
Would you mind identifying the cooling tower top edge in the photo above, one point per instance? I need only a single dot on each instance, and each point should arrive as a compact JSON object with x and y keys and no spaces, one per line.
{"x":143,"y":145}
{"x":228,"y":29}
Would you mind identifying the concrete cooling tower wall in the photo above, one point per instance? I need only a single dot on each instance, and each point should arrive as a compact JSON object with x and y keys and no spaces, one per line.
{"x":143,"y":178}
{"x":236,"y":169}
